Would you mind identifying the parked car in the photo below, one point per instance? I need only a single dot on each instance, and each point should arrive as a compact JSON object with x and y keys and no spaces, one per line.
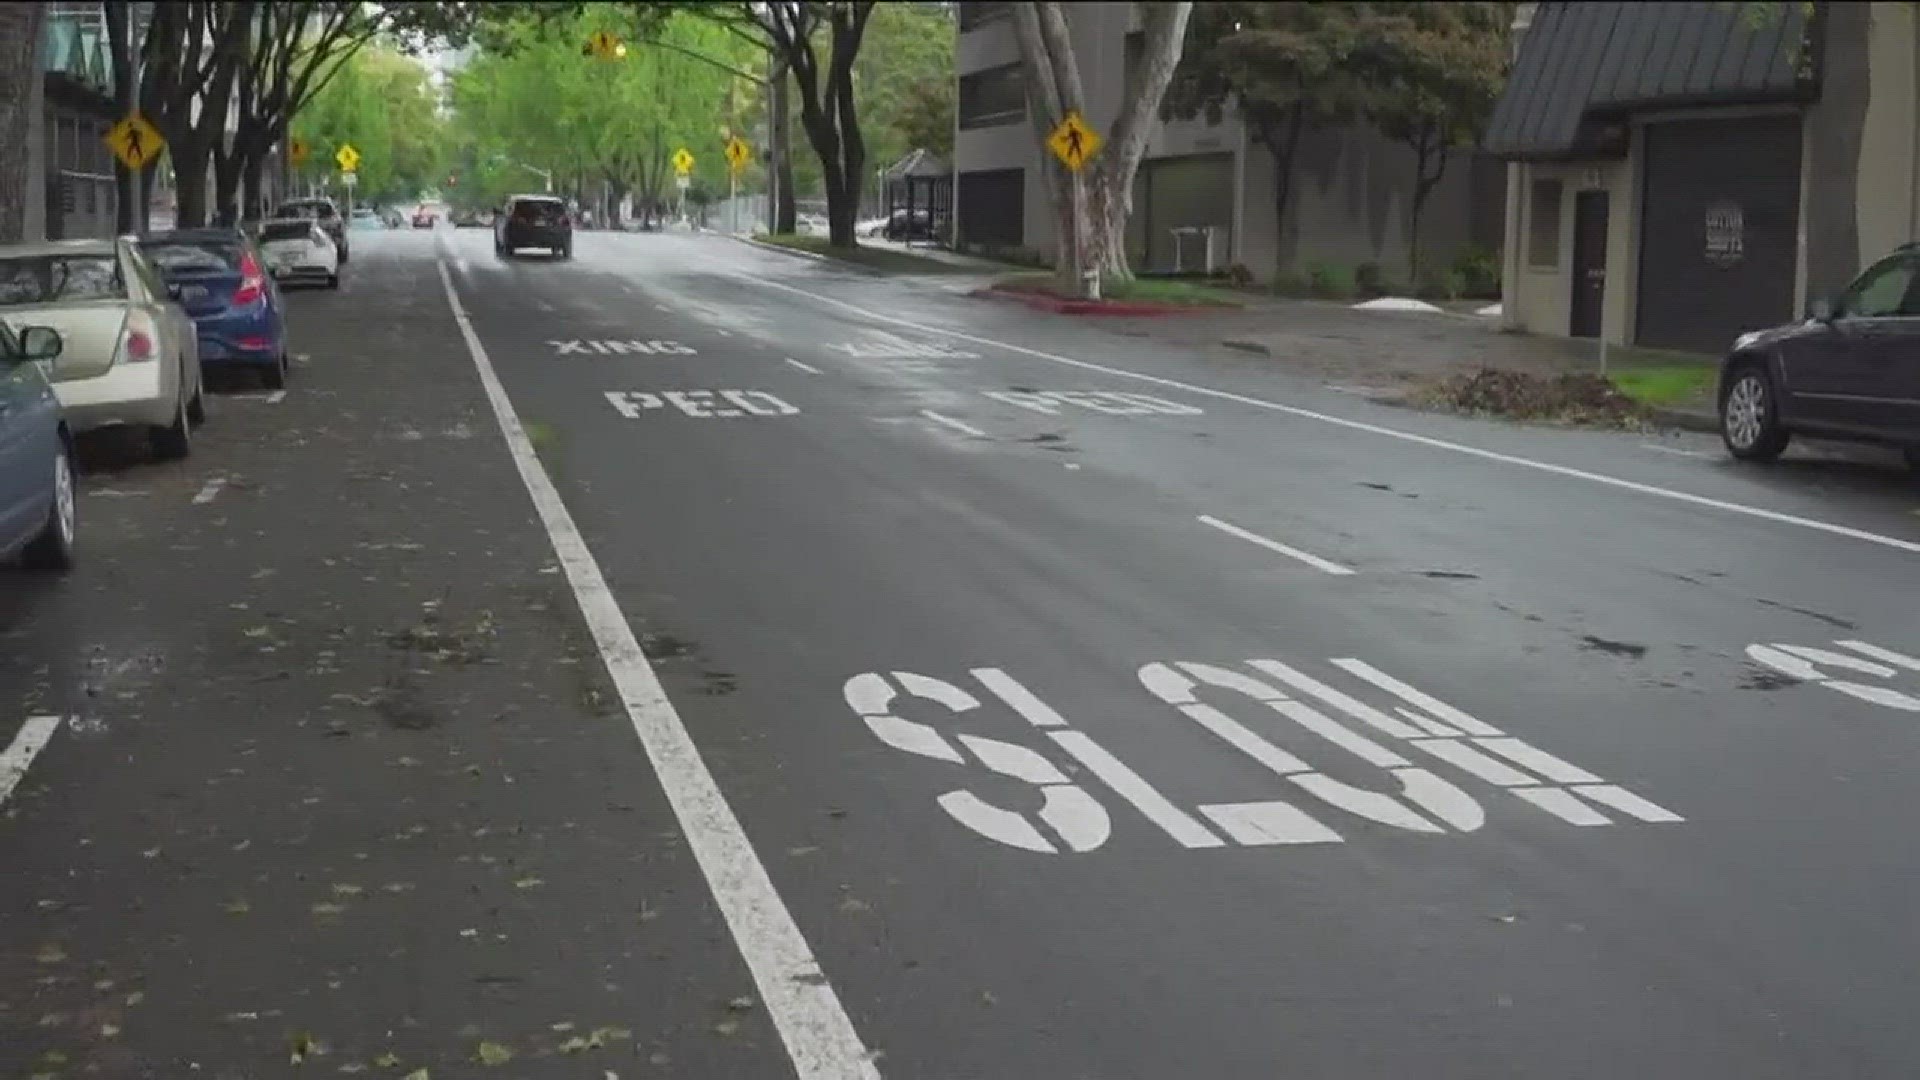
{"x":322,"y":211}
{"x":365,"y":218}
{"x":36,"y":454}
{"x":237,"y":310}
{"x":533,"y":221}
{"x":299,"y":250}
{"x":811,"y":224}
{"x":1850,"y":370}
{"x":131,"y":355}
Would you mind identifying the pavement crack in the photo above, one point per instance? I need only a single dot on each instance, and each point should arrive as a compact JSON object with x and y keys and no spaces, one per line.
{"x":1628,"y":649}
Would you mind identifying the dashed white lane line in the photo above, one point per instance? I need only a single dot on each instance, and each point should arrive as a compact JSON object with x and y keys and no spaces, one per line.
{"x":1619,"y":483}
{"x":819,"y":1036}
{"x":1314,"y":561}
{"x":957,"y":425}
{"x":723,"y":333}
{"x":1682,"y":451}
{"x":209,"y":490}
{"x":808,"y":368}
{"x":19,"y":754}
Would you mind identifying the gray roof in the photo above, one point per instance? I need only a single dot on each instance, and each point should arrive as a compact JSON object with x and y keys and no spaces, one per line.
{"x":1585,"y":59}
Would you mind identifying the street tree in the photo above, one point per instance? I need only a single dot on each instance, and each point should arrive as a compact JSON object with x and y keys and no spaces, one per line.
{"x":1092,"y":205}
{"x":1282,"y":67}
{"x":903,"y":80}
{"x":1436,"y":70}
{"x":382,"y":104}
{"x":19,"y":42}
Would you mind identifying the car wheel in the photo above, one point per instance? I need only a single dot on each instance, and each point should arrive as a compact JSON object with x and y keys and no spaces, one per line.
{"x":275,"y":377}
{"x":175,"y":441}
{"x":1750,"y":415}
{"x":333,"y":281}
{"x":53,"y":548}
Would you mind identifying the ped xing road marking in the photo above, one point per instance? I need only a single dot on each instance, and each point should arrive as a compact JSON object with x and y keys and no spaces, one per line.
{"x":699,"y":404}
{"x":19,"y":754}
{"x":885,"y":346}
{"x":819,"y":1036}
{"x":1616,"y":482}
{"x":1112,"y":402}
{"x":1314,"y":561}
{"x":1803,"y":663}
{"x":808,"y":368}
{"x":621,"y":348}
{"x":958,"y":425}
{"x":1072,"y":819}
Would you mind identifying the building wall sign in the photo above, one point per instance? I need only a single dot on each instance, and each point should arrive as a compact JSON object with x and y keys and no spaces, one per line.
{"x":1726,"y":234}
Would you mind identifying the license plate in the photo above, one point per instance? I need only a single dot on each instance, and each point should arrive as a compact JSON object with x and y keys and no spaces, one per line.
{"x":193,"y":292}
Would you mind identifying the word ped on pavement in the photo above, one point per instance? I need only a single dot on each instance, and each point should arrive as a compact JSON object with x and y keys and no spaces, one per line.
{"x":298,"y":150}
{"x":699,"y":404}
{"x":135,"y":141}
{"x":1073,"y":142}
{"x":347,"y":158}
{"x":1419,"y":745}
{"x":738,"y":153}
{"x":682,"y":161}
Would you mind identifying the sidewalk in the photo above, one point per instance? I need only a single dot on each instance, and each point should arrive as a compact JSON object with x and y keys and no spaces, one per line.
{"x":340,"y":781}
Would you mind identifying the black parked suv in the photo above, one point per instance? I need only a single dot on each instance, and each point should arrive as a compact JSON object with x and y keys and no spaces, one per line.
{"x":325,"y":213}
{"x":1851,"y":370}
{"x":533,"y":221}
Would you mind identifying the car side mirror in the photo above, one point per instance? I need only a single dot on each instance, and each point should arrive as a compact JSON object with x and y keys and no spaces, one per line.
{"x":41,"y":343}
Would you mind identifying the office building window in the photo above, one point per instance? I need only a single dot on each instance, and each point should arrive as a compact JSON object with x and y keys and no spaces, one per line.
{"x":1543,"y":225}
{"x":991,"y":97}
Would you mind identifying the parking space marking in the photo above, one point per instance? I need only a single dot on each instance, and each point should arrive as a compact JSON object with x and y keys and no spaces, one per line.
{"x":1314,"y":561}
{"x":209,"y":490}
{"x":957,"y":425}
{"x":808,"y":368}
{"x":19,"y":754}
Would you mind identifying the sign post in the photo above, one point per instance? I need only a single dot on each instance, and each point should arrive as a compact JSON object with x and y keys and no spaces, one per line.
{"x":349,"y":161}
{"x":1073,"y":142}
{"x":738,"y":154}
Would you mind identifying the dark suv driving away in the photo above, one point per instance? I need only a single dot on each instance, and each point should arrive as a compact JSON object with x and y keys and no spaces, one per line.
{"x":1851,"y":370}
{"x":534,"y":221}
{"x":322,"y":211}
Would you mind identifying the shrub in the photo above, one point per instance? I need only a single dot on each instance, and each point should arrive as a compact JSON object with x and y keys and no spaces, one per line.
{"x":1479,"y":271}
{"x":1445,"y":284}
{"x":1291,"y":284}
{"x":1239,"y":276}
{"x":1330,"y":281}
{"x":1370,"y":280}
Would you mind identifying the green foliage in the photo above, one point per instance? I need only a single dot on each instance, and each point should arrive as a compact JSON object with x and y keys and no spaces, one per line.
{"x":903,"y":81}
{"x":381,"y":103}
{"x":1331,"y":281}
{"x":1479,"y":270}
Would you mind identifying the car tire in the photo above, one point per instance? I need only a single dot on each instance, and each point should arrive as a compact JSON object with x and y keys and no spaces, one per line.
{"x":175,"y":441}
{"x":275,"y":377}
{"x":197,"y":408}
{"x":333,"y":281}
{"x":1750,"y":415}
{"x":53,"y":548}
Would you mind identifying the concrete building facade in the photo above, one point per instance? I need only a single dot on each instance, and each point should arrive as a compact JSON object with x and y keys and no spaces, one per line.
{"x":1351,"y":190}
{"x":1684,"y":172}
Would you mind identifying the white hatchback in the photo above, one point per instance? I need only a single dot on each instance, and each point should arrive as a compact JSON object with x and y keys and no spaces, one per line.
{"x":297,"y":249}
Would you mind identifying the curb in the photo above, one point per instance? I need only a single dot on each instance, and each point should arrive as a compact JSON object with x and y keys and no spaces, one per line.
{"x":764,"y":246}
{"x":1685,"y":420}
{"x":1058,"y":306}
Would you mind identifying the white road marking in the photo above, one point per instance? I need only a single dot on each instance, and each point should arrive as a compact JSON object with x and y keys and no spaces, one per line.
{"x":276,"y":397}
{"x":543,"y":305}
{"x":1018,"y":698}
{"x":1564,"y":805}
{"x":962,"y":428}
{"x":1441,"y":709}
{"x":1554,"y":769}
{"x":661,"y":307}
{"x":1627,"y":802}
{"x":1677,"y":450}
{"x":211,"y":489}
{"x":1072,"y":465}
{"x":1743,"y":509}
{"x":1314,"y":561}
{"x":819,"y":1036}
{"x":723,"y":333}
{"x":20,"y":753}
{"x":808,"y":368}
{"x":1257,"y":824}
{"x":1878,"y":653}
{"x":1801,"y":662}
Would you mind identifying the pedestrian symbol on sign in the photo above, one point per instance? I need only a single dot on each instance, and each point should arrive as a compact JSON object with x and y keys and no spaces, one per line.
{"x":1073,"y":142}
{"x":135,"y":141}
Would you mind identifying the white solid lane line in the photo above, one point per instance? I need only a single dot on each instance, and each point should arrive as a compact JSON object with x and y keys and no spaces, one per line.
{"x":1371,"y":429}
{"x":959,"y":426}
{"x":808,"y":368}
{"x":1314,"y":561}
{"x":207,"y":493}
{"x":819,"y":1036}
{"x":33,"y":738}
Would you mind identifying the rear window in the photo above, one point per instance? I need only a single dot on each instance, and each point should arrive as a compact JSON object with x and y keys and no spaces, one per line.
{"x":285,"y":230}
{"x":47,"y":279}
{"x":198,"y":257}
{"x":538,"y":210}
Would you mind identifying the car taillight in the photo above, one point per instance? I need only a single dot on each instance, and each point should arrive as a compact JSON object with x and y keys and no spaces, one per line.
{"x":255,"y":344}
{"x":136,"y":346}
{"x":253,"y":284}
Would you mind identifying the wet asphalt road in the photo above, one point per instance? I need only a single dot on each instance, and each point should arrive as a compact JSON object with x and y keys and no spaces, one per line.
{"x":1094,"y":710}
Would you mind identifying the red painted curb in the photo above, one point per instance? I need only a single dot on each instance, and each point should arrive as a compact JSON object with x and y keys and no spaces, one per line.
{"x":1060,"y":306}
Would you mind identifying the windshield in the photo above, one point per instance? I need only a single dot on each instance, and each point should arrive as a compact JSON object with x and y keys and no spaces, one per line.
{"x":285,"y":230}
{"x":46,"y":279}
{"x":196,"y":257}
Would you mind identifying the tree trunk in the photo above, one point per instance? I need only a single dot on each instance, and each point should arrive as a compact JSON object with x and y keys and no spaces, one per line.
{"x":226,"y":186}
{"x":253,"y":178}
{"x":1282,"y":138}
{"x":827,"y":109}
{"x":1429,"y":149}
{"x":784,"y":217}
{"x":19,"y":42}
{"x":190,"y":168}
{"x":128,"y":210}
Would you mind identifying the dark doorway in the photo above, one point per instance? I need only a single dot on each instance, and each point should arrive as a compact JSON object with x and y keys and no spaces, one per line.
{"x":1589,"y":263}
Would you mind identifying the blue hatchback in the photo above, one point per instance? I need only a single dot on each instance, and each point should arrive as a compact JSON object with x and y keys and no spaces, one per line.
{"x":36,"y":454}
{"x":221,"y":280}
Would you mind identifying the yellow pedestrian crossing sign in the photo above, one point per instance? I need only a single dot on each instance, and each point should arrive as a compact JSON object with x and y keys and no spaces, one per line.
{"x":738,"y":153}
{"x":347,"y":158}
{"x":682,"y":161}
{"x":135,"y":141}
{"x":1073,"y":142}
{"x":297,"y":151}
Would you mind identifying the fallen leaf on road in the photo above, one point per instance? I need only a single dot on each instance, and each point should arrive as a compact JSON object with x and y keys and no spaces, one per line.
{"x":136,"y":997}
{"x":389,"y":1060}
{"x":348,"y":890}
{"x":108,"y":1031}
{"x":575,"y":1045}
{"x":727,"y":1027}
{"x":741,"y":1004}
{"x":329,"y":909}
{"x":51,"y":953}
{"x":492,"y":1053}
{"x":528,"y":883}
{"x":302,"y":1045}
{"x":353,"y":1067}
{"x":562,"y":1027}
{"x":417,"y":1074}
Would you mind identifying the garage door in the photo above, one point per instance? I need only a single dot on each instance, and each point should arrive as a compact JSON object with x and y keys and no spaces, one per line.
{"x":993,"y":208}
{"x":1719,"y":228}
{"x":1181,"y":193}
